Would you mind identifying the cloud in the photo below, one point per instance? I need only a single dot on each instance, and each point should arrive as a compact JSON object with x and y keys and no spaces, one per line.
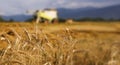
{"x":10,"y":7}
{"x":87,"y":3}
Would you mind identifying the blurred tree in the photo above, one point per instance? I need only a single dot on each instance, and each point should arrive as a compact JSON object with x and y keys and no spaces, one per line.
{"x":11,"y":20}
{"x":1,"y":19}
{"x":30,"y":19}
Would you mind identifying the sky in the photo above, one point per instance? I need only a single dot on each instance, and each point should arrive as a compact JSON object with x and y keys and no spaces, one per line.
{"x":13,"y":7}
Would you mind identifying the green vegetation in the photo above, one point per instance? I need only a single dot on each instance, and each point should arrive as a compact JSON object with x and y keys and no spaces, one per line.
{"x":1,"y":19}
{"x":97,"y":19}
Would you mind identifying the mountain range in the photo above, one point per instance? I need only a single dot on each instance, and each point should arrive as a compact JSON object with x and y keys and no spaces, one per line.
{"x":91,"y":12}
{"x":105,"y":12}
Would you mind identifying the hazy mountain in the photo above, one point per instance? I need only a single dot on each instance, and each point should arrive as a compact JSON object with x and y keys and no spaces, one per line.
{"x":106,"y":12}
{"x":73,"y":13}
{"x":21,"y":17}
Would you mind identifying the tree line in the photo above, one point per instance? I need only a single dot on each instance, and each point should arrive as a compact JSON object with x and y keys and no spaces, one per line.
{"x":63,"y":20}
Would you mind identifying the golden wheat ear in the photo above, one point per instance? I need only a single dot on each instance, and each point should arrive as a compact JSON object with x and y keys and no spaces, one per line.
{"x":2,"y":37}
{"x":10,"y":32}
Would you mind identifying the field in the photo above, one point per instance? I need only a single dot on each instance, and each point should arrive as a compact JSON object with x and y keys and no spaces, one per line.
{"x":79,"y":43}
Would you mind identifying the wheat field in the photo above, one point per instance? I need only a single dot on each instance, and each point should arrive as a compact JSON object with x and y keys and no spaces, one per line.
{"x":80,"y":43}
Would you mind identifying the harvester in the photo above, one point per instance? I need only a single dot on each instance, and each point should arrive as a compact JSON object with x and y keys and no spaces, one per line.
{"x":46,"y":16}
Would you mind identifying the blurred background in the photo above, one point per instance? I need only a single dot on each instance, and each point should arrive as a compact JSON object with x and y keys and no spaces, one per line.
{"x":16,"y":10}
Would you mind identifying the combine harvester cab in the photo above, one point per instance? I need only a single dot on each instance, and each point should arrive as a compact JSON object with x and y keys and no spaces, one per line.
{"x":47,"y":15}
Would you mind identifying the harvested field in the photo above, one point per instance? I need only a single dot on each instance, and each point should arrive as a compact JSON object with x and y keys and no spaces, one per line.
{"x":85,"y":43}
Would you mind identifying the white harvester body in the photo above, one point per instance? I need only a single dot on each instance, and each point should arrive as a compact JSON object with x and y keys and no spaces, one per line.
{"x":47,"y":14}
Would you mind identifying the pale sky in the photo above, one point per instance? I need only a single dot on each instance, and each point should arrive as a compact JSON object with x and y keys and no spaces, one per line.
{"x":13,"y":7}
